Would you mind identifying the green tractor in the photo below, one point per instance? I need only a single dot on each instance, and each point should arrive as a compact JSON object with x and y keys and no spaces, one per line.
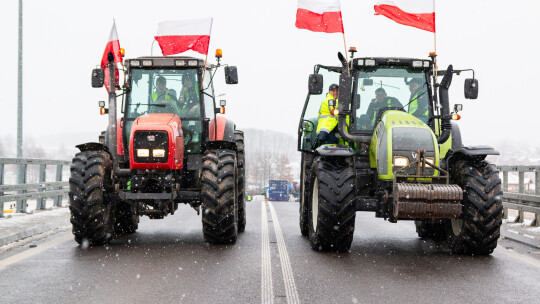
{"x":400,"y":162}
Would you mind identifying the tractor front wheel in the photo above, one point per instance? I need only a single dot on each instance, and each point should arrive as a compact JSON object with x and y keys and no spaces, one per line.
{"x":305,"y":191}
{"x":332,"y":211}
{"x":219,"y":197}
{"x":478,"y":229}
{"x":90,"y":187}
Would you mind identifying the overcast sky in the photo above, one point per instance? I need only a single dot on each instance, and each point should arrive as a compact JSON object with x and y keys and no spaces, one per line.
{"x":64,"y":40}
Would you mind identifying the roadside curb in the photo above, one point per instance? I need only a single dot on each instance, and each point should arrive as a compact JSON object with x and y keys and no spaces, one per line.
{"x":520,"y":238}
{"x":28,"y":225}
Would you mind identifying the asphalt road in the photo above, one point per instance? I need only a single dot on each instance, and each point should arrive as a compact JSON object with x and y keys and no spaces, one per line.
{"x":167,"y":261}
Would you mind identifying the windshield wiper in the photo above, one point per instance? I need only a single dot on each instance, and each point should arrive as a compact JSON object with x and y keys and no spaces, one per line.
{"x":403,"y":108}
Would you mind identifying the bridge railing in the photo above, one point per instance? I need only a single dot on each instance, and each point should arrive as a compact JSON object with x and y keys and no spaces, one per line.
{"x":521,"y":201}
{"x":40,"y":190}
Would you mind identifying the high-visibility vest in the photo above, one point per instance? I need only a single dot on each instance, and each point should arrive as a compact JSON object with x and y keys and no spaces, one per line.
{"x":155,"y":97}
{"x":327,"y":122}
{"x":414,"y":106}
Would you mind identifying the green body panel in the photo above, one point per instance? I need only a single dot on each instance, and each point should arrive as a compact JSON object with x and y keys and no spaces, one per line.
{"x":391,"y":120}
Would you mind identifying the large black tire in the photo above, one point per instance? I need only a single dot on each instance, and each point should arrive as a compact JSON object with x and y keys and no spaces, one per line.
{"x":332,"y":210}
{"x":478,"y":229}
{"x":219,"y":197}
{"x":429,"y":229}
{"x":305,"y":191}
{"x":240,"y":160}
{"x":127,"y":220}
{"x":92,"y":215}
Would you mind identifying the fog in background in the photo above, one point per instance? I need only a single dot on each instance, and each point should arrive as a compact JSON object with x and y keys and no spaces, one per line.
{"x":64,"y":41}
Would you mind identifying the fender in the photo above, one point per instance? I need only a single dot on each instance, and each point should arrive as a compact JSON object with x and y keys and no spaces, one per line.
{"x":225,"y":129}
{"x":335,"y":150}
{"x":220,"y":144}
{"x":94,"y":146}
{"x":475,"y":153}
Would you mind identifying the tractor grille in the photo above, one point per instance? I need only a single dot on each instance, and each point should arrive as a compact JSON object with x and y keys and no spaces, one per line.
{"x":151,"y":140}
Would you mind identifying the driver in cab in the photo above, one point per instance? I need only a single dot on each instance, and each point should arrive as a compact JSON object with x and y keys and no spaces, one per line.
{"x":162,"y":93}
{"x":381,"y":100}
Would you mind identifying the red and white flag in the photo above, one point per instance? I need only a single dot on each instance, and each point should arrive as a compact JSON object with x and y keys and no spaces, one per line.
{"x":179,"y":36}
{"x":113,"y":45}
{"x":415,"y":13}
{"x":319,"y":16}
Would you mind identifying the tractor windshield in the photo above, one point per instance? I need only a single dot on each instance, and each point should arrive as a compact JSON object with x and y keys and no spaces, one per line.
{"x":383,"y":87}
{"x":164,"y":91}
{"x":167,"y":91}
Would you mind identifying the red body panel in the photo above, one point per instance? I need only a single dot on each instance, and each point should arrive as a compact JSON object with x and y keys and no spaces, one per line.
{"x":169,"y":123}
{"x":119,"y":142}
{"x":220,"y":128}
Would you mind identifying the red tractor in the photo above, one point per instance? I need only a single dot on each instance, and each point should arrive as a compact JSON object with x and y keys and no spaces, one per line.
{"x":169,"y":147}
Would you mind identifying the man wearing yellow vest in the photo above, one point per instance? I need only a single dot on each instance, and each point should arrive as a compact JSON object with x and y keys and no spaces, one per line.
{"x":326,"y":126}
{"x":418,"y":102}
{"x":162,"y":93}
{"x":380,"y":101}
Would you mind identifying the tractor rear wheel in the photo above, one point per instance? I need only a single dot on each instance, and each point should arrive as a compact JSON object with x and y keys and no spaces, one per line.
{"x":305,"y":191}
{"x":127,"y":220}
{"x":478,"y":230}
{"x":219,"y":197}
{"x":240,"y":160}
{"x":90,"y":187}
{"x":332,"y":210}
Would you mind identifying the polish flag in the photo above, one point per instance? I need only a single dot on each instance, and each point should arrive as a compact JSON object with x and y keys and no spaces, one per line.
{"x":319,"y":16}
{"x":179,"y":36}
{"x":113,"y":45}
{"x":415,"y":13}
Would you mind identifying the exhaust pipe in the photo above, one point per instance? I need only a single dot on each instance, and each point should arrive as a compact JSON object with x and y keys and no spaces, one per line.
{"x":446,"y":125}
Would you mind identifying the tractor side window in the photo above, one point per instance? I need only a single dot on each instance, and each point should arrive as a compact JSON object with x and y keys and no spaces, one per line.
{"x":310,"y":117}
{"x":208,"y":89}
{"x":138,"y":98}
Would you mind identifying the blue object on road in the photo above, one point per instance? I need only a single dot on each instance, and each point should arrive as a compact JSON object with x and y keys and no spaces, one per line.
{"x":278,"y":190}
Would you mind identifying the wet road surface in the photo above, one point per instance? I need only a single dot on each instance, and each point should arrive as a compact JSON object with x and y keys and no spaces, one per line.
{"x":168,"y":261}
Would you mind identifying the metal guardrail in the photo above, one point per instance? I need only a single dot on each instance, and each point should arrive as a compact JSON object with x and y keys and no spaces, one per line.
{"x":521,"y":201}
{"x":40,"y":190}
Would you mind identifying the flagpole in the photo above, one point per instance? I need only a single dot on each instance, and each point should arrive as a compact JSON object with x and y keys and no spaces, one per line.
{"x":206,"y":59}
{"x":346,"y":55}
{"x":435,"y":41}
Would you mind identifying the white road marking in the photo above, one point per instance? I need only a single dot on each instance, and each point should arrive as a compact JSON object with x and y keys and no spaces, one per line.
{"x":267,"y":290}
{"x":518,"y":256}
{"x":32,"y":251}
{"x":288,"y":277}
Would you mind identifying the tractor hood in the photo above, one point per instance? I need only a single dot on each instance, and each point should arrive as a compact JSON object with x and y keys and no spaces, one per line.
{"x":401,"y":135}
{"x":155,"y":119}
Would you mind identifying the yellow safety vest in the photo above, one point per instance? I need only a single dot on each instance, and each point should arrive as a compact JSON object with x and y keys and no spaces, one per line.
{"x":155,"y":96}
{"x":414,"y":106}
{"x":327,"y":122}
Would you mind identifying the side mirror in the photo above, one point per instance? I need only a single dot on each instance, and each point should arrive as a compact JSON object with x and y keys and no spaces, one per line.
{"x":231,"y":75}
{"x":315,"y":84}
{"x":471,"y":88}
{"x":98,"y":77}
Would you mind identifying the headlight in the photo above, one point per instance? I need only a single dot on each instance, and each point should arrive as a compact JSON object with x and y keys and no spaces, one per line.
{"x":401,"y":161}
{"x":158,"y":152}
{"x":193,"y":62}
{"x":143,"y":152}
{"x":147,"y":62}
{"x":370,"y":62}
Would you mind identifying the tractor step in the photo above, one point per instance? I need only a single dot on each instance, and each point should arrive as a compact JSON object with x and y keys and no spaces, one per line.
{"x":413,"y":200}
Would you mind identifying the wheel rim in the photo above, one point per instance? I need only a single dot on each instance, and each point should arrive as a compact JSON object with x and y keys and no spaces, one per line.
{"x":315,"y":204}
{"x":457,"y":226}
